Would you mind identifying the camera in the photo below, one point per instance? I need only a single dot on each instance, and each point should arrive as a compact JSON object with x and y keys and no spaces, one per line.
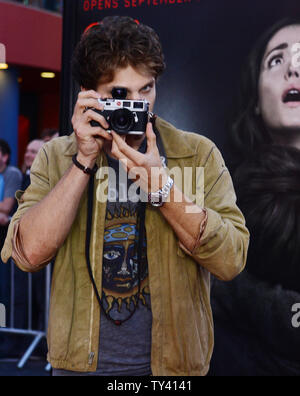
{"x":125,"y":117}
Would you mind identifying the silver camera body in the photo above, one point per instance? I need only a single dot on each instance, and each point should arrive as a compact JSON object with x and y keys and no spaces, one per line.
{"x":125,"y":117}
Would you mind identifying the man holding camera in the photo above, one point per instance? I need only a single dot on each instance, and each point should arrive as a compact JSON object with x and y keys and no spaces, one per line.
{"x":131,"y":281}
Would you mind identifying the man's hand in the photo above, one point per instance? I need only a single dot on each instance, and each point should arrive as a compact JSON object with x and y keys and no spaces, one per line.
{"x":90,"y":139}
{"x":4,"y":219}
{"x":146,"y":168}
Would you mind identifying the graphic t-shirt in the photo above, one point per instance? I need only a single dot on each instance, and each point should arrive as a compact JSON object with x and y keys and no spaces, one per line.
{"x":125,"y":349}
{"x":121,"y":282}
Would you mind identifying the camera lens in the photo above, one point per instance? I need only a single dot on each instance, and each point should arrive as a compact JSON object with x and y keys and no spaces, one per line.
{"x":122,"y":121}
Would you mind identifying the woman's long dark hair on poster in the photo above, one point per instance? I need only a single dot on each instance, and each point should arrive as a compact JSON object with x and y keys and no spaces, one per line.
{"x":267,"y":181}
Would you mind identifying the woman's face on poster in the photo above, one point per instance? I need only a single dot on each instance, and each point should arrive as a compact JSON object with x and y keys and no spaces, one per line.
{"x":279,"y":82}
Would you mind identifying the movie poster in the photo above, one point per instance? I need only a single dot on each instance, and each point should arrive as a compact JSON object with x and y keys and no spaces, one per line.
{"x":206,"y":44}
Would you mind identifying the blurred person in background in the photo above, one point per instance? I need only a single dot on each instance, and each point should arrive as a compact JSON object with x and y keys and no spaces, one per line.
{"x":253,"y":314}
{"x":30,"y":154}
{"x":12,"y":182}
{"x":15,"y":345}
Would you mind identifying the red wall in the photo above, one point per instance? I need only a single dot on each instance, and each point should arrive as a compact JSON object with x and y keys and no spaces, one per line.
{"x":49,"y":111}
{"x":32,"y":37}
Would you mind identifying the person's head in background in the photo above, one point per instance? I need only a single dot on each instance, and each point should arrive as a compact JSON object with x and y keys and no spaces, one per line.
{"x":31,"y":152}
{"x":5,"y":153}
{"x":268,"y":105}
{"x":49,"y":134}
{"x":266,"y":138}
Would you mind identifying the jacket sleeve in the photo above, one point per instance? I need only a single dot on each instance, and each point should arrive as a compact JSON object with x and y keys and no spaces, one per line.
{"x":37,"y":190}
{"x":223,"y":247}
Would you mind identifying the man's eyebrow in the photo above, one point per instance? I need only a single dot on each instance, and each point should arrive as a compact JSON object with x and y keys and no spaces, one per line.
{"x":279,"y":47}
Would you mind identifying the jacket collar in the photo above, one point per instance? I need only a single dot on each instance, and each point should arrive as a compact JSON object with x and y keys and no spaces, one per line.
{"x":176,"y":142}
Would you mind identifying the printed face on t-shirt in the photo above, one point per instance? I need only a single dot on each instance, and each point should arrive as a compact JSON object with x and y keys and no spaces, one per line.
{"x":120,"y":269}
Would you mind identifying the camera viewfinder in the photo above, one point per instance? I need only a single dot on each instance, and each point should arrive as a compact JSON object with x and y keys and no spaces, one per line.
{"x":119,"y":93}
{"x":138,"y":105}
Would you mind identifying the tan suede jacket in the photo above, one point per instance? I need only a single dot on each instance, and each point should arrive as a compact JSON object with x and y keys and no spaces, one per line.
{"x":182,"y":329}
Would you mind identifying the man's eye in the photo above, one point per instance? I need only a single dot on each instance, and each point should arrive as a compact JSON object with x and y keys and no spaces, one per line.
{"x":147,"y":88}
{"x":112,"y":255}
{"x":275,"y":61}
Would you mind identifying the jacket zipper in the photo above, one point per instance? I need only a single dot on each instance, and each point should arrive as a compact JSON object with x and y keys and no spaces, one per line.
{"x":91,"y":358}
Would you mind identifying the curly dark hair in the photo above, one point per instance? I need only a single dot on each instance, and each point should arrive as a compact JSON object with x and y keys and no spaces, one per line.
{"x":116,"y":42}
{"x":268,"y":190}
{"x":247,"y":129}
